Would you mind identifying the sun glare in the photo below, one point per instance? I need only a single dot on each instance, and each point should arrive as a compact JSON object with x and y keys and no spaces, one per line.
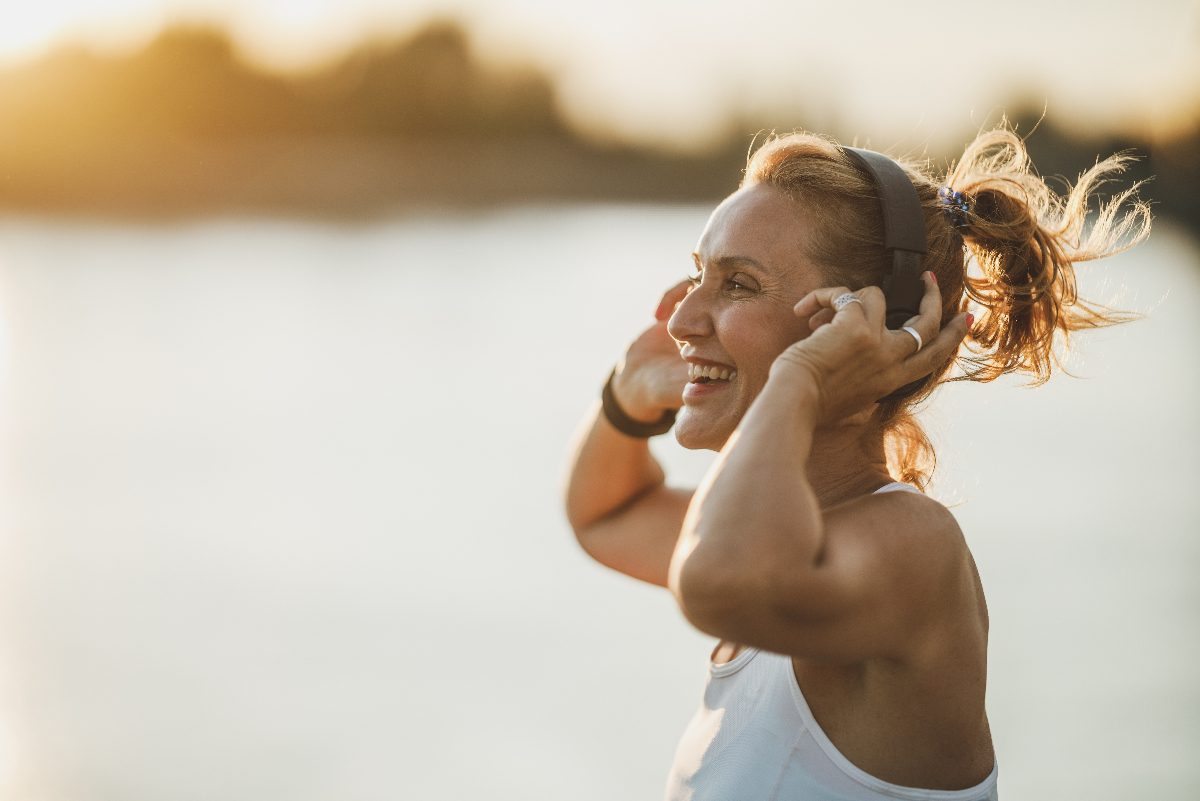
{"x":31,"y":30}
{"x":40,"y":26}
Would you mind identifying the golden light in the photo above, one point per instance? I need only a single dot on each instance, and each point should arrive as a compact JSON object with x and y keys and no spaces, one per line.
{"x":28,"y":32}
{"x":41,"y":26}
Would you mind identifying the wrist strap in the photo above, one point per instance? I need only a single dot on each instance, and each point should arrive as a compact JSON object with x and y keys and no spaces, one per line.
{"x":626,"y":424}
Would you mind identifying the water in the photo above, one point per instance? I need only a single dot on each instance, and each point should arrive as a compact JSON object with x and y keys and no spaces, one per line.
{"x":281,"y":518}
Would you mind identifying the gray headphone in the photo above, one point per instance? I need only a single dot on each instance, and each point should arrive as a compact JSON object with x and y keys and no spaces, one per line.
{"x":903,"y":237}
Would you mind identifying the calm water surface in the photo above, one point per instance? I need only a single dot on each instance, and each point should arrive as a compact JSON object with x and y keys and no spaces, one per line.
{"x":281,"y":518}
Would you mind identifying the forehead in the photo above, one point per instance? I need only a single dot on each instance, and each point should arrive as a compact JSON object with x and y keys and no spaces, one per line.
{"x":759,"y":222}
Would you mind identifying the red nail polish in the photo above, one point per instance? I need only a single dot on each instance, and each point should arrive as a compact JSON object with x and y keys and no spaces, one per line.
{"x":970,"y":319}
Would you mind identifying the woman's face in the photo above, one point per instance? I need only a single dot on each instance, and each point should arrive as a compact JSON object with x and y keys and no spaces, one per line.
{"x":739,"y":315}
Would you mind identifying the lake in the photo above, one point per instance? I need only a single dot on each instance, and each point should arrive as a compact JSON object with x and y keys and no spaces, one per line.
{"x":281,"y":518}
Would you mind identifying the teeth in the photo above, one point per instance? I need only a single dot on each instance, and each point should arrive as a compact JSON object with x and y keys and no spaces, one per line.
{"x":714,"y":373}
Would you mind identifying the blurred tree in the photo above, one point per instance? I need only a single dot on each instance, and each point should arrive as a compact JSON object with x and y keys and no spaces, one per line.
{"x":186,"y":124}
{"x":430,"y":84}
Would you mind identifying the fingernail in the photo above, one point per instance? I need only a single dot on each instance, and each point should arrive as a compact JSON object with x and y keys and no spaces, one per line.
{"x":932,"y":276}
{"x":970,"y":319}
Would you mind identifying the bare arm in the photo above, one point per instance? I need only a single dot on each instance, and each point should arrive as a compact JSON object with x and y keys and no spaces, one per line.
{"x":759,"y":561}
{"x":617,"y":502}
{"x":622,"y":512}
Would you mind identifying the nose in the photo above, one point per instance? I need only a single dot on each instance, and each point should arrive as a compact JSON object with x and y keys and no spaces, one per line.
{"x":692,"y":318}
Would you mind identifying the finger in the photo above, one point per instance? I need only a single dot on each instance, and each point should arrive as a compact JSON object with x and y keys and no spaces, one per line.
{"x":938,"y":351}
{"x":670,"y":298}
{"x":871,"y":304}
{"x":823,"y":317}
{"x":819,"y":299}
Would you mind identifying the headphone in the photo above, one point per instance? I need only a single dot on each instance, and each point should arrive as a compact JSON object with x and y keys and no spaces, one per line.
{"x":903,"y":237}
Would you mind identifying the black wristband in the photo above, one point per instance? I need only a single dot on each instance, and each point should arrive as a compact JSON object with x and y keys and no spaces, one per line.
{"x":626,"y":424}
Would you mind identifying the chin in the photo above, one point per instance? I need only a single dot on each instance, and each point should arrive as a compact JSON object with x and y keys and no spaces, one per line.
{"x":698,"y":434}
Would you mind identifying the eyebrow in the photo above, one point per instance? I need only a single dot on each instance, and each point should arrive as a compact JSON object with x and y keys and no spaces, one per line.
{"x":729,"y":262}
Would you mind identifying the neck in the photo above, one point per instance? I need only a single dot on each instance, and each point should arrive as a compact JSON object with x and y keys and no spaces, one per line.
{"x":846,"y":461}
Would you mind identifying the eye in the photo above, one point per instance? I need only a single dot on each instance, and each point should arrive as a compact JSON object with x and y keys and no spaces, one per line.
{"x":730,"y":285}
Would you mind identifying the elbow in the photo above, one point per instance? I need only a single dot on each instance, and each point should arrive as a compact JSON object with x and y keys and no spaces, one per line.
{"x":584,"y":539}
{"x":581,"y":511}
{"x":576,"y":524}
{"x":710,"y":596}
{"x":577,"y":514}
{"x":589,"y":533}
{"x":582,"y":529}
{"x":726,"y":598}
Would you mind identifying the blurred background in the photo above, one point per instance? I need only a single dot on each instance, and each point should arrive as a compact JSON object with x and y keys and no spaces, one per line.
{"x":301,"y":304}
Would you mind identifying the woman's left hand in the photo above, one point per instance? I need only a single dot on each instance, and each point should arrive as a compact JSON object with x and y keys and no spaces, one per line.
{"x":853,"y":360}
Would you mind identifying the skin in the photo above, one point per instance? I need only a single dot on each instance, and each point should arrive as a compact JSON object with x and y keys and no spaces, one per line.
{"x":743,"y":313}
{"x":784,"y":547}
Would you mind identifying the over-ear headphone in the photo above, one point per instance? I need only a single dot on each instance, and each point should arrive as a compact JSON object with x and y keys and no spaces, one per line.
{"x":903,"y":237}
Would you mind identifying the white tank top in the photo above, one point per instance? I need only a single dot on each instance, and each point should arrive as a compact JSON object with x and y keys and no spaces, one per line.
{"x":755,"y":739}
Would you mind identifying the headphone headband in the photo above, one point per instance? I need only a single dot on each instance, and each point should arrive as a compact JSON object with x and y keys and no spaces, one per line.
{"x":903,"y":221}
{"x":903,"y":237}
{"x":903,"y":233}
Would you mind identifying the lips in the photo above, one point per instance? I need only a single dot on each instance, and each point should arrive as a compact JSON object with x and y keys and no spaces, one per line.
{"x":707,"y":379}
{"x":703,"y":388}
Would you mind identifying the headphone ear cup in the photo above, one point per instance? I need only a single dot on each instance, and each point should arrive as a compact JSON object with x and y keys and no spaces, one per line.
{"x":903,"y":289}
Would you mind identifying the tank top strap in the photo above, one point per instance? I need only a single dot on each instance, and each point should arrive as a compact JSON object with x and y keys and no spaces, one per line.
{"x":898,"y":486}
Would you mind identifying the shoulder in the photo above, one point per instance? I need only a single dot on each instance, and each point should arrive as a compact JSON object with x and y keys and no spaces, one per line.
{"x":903,"y":553}
{"x":903,"y":523}
{"x":888,"y":575}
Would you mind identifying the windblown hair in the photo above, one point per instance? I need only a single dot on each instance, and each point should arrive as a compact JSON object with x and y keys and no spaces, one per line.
{"x":1012,"y":261}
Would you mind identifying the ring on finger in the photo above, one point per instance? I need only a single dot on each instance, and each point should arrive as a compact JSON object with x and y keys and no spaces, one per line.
{"x":916,"y":336}
{"x":844,"y":300}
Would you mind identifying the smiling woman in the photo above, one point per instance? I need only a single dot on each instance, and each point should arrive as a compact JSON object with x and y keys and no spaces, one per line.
{"x":853,"y":625}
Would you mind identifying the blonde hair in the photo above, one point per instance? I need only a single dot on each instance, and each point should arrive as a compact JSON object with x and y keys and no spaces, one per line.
{"x":1013,"y":255}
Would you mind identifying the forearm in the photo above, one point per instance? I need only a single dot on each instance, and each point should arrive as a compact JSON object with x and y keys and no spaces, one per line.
{"x":608,"y":470}
{"x":756,"y":503}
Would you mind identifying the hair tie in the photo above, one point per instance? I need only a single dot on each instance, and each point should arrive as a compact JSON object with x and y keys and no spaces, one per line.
{"x":955,"y":205}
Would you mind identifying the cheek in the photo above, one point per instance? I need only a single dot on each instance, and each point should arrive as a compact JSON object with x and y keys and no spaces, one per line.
{"x":754,"y":339}
{"x":774,"y":341}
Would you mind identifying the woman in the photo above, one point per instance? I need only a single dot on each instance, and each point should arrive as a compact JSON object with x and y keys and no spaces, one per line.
{"x":852,"y":623}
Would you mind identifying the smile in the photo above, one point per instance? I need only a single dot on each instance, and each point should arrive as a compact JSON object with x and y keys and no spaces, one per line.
{"x":704,"y":374}
{"x":705,"y":386}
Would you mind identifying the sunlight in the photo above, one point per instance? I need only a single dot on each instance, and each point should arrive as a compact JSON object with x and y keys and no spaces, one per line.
{"x":616,"y":76}
{"x":296,"y":34}
{"x":102,"y":25}
{"x":36,"y":26}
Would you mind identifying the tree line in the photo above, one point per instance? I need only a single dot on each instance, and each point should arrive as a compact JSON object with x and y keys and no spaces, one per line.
{"x":186,"y":126}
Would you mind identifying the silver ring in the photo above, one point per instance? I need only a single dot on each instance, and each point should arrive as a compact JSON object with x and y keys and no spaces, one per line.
{"x":844,"y":300}
{"x":916,"y":336}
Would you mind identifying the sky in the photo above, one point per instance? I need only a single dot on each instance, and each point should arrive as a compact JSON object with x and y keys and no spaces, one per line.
{"x":671,"y":71}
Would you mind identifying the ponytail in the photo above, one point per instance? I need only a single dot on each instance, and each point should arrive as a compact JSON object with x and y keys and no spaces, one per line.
{"x":1022,"y":242}
{"x":1010,"y":250}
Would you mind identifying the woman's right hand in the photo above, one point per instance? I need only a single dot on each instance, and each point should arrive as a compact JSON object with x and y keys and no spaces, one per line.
{"x":651,"y":377}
